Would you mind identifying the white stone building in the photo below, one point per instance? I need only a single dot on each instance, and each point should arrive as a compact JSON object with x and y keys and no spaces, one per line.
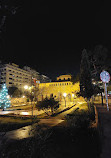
{"x":12,"y":75}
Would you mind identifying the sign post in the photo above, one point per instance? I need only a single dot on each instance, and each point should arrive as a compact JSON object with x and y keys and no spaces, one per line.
{"x":105,"y":77}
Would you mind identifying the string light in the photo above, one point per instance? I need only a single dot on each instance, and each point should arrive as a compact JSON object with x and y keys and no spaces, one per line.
{"x":4,"y":97}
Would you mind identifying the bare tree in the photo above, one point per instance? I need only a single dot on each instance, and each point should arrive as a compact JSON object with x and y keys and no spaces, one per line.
{"x":7,"y":8}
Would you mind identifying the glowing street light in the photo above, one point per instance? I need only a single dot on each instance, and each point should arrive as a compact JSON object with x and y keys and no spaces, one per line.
{"x":25,"y":87}
{"x":8,"y":96}
{"x":64,"y":94}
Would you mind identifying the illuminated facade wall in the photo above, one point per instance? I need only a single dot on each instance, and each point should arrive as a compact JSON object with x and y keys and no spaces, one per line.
{"x":64,"y":77}
{"x":58,"y":89}
{"x":12,"y":75}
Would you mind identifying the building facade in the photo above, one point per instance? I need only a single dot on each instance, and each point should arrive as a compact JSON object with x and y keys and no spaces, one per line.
{"x":64,"y":78}
{"x":59,"y":89}
{"x":35,"y":76}
{"x":12,"y":75}
{"x":44,"y":79}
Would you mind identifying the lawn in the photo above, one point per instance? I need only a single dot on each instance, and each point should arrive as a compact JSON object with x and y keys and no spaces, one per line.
{"x":11,"y":123}
{"x":22,"y":107}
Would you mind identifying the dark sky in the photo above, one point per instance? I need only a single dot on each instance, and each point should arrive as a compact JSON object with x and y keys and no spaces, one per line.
{"x":50,"y":35}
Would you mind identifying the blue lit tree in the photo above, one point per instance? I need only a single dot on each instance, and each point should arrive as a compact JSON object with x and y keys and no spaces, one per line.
{"x":4,"y":98}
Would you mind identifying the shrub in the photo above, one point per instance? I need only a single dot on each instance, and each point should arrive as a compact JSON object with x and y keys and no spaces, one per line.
{"x":81,"y":119}
{"x":48,"y":103}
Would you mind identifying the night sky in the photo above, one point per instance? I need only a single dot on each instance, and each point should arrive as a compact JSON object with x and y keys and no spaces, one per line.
{"x":49,"y":36}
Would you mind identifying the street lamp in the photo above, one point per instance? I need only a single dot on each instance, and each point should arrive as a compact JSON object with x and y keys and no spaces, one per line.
{"x":26,"y":87}
{"x":65,"y":98}
{"x":30,"y":94}
{"x":73,"y":97}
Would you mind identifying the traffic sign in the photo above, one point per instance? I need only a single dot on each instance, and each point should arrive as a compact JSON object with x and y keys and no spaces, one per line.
{"x":105,"y":76}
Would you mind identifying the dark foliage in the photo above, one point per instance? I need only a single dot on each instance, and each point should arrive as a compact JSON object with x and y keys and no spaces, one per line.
{"x":86,"y":88}
{"x":75,"y":78}
{"x":48,"y":103}
{"x":99,"y":61}
{"x":14,"y":92}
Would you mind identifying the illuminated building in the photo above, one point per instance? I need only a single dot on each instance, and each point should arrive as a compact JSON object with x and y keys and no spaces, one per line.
{"x":12,"y":75}
{"x":57,"y":89}
{"x":44,"y":79}
{"x":35,"y":76}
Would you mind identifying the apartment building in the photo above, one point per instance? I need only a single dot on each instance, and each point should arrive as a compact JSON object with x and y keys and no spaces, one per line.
{"x":44,"y":79}
{"x":35,"y":76}
{"x":12,"y":75}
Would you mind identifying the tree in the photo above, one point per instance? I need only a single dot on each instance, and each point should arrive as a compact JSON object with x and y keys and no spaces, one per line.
{"x":98,"y":58}
{"x":14,"y":92}
{"x":75,"y":78}
{"x":48,"y":103}
{"x":17,"y":93}
{"x":4,"y":98}
{"x":7,"y":9}
{"x":11,"y":90}
{"x":86,"y":88}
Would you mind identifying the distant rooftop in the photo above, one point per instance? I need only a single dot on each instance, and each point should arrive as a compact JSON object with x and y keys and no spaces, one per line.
{"x":64,"y":78}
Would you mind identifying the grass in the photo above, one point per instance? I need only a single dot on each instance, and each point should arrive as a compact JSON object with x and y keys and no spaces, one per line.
{"x":11,"y":123}
{"x":22,"y":107}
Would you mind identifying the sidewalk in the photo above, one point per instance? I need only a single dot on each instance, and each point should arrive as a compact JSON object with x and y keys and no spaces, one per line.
{"x":105,"y":130}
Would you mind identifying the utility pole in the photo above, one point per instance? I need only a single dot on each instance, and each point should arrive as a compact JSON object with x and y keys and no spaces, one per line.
{"x":105,"y":77}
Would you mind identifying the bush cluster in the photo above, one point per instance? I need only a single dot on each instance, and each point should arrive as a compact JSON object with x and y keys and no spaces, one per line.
{"x":81,"y":118}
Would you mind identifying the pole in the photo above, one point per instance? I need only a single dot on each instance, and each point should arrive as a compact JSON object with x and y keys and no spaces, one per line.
{"x":65,"y":102}
{"x":106,"y":97}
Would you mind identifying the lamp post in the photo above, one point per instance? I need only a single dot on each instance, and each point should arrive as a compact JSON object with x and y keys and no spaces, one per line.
{"x":73,"y":98}
{"x":25,"y":90}
{"x":30,"y":95}
{"x":65,"y":98}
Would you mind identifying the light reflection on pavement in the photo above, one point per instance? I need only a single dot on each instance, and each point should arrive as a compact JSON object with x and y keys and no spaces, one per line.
{"x":29,"y":131}
{"x":21,"y":112}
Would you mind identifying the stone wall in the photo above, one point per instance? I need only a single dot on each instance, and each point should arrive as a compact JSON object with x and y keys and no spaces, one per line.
{"x":57,"y":89}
